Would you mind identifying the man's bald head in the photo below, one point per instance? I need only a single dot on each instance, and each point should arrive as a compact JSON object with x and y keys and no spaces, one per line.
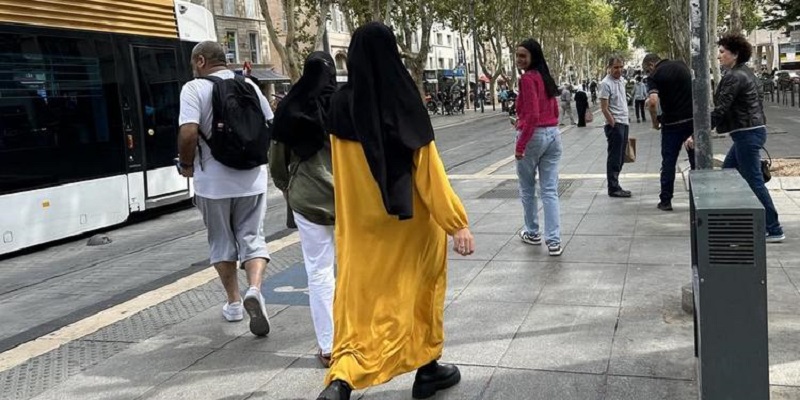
{"x":207,"y":55}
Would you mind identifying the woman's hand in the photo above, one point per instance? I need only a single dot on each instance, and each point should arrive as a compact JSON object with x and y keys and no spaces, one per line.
{"x":463,"y":242}
{"x":519,"y":155}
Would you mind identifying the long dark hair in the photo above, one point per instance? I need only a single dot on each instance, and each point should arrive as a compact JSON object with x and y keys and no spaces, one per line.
{"x":539,"y":64}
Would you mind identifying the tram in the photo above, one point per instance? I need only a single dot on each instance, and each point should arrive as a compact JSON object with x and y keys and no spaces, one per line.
{"x":89,"y":102}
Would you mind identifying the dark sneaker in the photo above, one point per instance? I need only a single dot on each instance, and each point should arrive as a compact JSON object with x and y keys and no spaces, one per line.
{"x":665,"y":206}
{"x":775,"y":237}
{"x":257,"y":310}
{"x":555,"y":249}
{"x":337,"y":390}
{"x":530,"y":238}
{"x":620,"y":193}
{"x":434,"y":377}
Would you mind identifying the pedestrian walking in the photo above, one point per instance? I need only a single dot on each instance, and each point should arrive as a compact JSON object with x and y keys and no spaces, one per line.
{"x":538,"y":146}
{"x":639,"y":96}
{"x":669,"y":85}
{"x":566,"y":104}
{"x":394,"y":210}
{"x":300,"y":164}
{"x":230,"y":186}
{"x":739,"y":111}
{"x":614,"y":105}
{"x":582,"y":106}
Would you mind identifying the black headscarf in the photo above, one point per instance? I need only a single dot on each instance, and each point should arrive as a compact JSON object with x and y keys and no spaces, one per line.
{"x":300,"y":116}
{"x":381,"y":108}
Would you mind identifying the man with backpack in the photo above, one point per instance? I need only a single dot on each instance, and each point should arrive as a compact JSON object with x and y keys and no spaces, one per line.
{"x":223,"y":144}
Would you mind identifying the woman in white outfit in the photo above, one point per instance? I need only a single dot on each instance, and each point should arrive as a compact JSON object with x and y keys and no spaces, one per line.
{"x":300,"y":164}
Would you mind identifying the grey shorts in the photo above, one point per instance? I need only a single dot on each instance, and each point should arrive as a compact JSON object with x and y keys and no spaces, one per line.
{"x":235,"y":227}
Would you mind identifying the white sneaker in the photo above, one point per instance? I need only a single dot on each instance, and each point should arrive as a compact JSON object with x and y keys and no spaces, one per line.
{"x":233,"y":312}
{"x":254,"y":304}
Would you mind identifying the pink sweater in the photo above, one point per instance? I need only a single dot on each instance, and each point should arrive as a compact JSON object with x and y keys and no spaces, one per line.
{"x":534,"y":108}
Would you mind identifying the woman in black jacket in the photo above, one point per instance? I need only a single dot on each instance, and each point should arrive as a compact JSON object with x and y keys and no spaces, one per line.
{"x":738,"y":110}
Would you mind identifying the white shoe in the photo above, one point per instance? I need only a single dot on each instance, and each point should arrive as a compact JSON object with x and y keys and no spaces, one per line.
{"x":254,"y":304}
{"x":233,"y":312}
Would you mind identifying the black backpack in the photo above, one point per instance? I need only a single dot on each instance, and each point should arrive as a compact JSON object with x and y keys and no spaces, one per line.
{"x":240,"y":134}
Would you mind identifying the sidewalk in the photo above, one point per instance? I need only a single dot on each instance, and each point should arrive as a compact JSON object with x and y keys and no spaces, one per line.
{"x":603,"y":321}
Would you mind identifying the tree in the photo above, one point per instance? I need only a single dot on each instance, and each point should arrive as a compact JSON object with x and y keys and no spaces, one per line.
{"x":779,"y":13}
{"x":298,"y":41}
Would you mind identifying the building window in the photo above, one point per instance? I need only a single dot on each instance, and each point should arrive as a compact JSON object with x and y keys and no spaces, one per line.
{"x":341,"y":62}
{"x":449,"y":40}
{"x":450,"y":60}
{"x":430,"y":62}
{"x":250,"y":9}
{"x":439,"y":39}
{"x":441,"y":63}
{"x":231,"y":47}
{"x":228,"y":8}
{"x":254,"y":47}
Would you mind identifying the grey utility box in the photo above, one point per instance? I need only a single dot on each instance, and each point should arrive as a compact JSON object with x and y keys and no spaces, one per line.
{"x":729,"y":265}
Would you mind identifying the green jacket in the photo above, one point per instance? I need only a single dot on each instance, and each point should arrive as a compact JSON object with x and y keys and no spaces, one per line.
{"x":306,"y":185}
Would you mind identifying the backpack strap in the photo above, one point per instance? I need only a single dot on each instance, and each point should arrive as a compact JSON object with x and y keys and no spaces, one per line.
{"x":214,"y":80}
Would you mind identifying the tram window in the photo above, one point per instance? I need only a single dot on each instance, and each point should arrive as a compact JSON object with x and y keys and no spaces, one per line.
{"x":59,"y":111}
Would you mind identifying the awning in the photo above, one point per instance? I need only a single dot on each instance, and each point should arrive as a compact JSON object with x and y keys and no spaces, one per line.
{"x":266,"y":75}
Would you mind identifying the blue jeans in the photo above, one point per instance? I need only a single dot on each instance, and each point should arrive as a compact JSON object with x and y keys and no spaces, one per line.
{"x":745,"y":156}
{"x":542,"y":153}
{"x":672,"y":139}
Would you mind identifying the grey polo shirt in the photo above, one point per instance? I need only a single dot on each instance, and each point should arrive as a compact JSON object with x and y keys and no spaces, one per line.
{"x":614,"y":91}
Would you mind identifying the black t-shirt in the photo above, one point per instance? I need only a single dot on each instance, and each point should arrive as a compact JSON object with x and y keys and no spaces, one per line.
{"x":673,"y":82}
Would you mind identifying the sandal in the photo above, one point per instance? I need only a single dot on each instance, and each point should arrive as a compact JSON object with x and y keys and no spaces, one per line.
{"x":324,"y":359}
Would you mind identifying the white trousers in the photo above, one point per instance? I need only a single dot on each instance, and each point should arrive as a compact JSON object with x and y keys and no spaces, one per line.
{"x":318,"y":255}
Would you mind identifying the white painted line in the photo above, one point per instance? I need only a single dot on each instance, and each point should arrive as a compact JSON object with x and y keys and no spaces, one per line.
{"x":102,"y":319}
{"x":560,"y":176}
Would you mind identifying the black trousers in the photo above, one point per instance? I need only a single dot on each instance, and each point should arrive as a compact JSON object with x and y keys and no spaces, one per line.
{"x":617,"y":138}
{"x":640,"y":110}
{"x":672,"y":139}
{"x":581,"y":108}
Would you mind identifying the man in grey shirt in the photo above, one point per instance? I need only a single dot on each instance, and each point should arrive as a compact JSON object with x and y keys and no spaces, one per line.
{"x":614,"y":105}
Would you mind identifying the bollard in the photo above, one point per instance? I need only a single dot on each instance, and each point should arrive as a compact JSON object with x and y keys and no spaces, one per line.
{"x":729,"y":283}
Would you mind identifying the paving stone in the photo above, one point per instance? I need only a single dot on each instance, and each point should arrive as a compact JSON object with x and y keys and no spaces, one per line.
{"x":782,"y":294}
{"x":662,"y":224}
{"x":481,"y":206}
{"x":517,"y":250}
{"x":508,"y":281}
{"x":513,"y":384}
{"x":631,"y":388}
{"x":784,"y":392}
{"x":653,"y":343}
{"x":661,"y":250}
{"x":784,"y":367}
{"x":655,"y":286}
{"x":132,"y":372}
{"x":605,"y":225}
{"x":593,"y":249}
{"x":563,"y":338}
{"x":223,"y":374}
{"x":291,"y":332}
{"x":479,"y":332}
{"x":460,"y":273}
{"x":302,"y":380}
{"x":584,"y":284}
{"x":474,"y":381}
{"x":496,"y":224}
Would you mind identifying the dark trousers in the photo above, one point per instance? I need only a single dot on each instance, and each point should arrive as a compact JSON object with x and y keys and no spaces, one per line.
{"x":617,"y":138}
{"x":745,"y":156}
{"x":581,"y":107}
{"x":672,"y":139}
{"x":640,"y":110}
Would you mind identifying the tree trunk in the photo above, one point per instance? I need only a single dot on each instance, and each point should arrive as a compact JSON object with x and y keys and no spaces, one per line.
{"x":736,"y":16}
{"x":285,"y":50}
{"x":713,"y":17}
{"x":322,"y":23}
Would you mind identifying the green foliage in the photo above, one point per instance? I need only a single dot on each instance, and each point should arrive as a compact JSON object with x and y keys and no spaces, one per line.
{"x":779,"y":13}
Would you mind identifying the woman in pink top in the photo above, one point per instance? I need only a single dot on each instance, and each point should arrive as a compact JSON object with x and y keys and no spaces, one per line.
{"x":538,"y":146}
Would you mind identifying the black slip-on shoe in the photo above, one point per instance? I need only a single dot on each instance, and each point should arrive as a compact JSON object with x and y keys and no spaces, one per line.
{"x":337,"y":390}
{"x":431,"y":379}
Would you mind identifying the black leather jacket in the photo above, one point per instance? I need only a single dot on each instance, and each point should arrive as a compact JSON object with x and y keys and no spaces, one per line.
{"x":737,"y":102}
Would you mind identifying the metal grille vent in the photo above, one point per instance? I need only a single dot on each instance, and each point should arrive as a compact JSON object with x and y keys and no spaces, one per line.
{"x":731,"y":239}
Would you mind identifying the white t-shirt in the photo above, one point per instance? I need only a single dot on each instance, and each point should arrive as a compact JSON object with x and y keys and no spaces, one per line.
{"x":214,"y":180}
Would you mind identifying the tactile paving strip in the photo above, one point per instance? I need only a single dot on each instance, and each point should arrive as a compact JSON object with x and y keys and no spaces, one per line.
{"x":509,"y":189}
{"x":51,"y":369}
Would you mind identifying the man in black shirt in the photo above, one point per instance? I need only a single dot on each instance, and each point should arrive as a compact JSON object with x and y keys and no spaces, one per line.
{"x":669,"y":85}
